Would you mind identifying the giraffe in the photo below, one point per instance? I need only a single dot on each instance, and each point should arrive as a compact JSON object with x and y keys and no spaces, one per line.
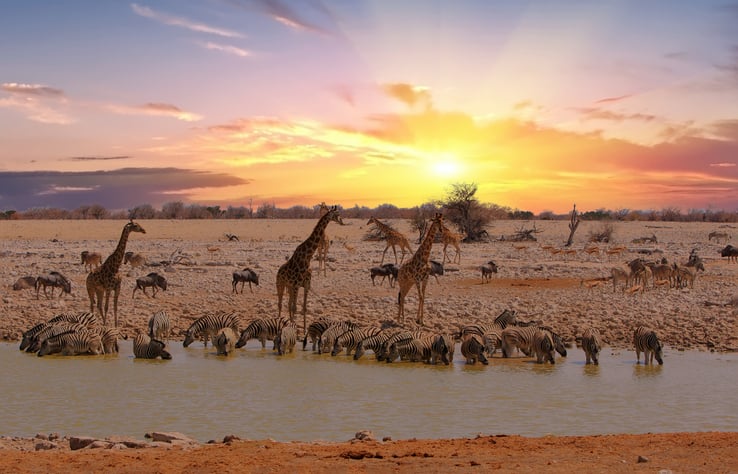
{"x":415,"y":271}
{"x":393,"y":239}
{"x":325,"y":243}
{"x":105,"y":278}
{"x":449,"y":237}
{"x":296,"y":273}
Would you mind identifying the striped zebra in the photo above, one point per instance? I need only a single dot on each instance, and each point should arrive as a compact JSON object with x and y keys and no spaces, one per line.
{"x":415,"y":349}
{"x":159,"y":326}
{"x":542,"y":346}
{"x":286,"y":339}
{"x":442,"y":349}
{"x":85,"y":318}
{"x":472,"y":348}
{"x":591,"y":345}
{"x":146,"y":348}
{"x":72,"y":343}
{"x":646,"y":341}
{"x":224,"y":341}
{"x":51,"y":331}
{"x":109,"y":338}
{"x":374,"y":343}
{"x":382,"y":352}
{"x":209,"y":325}
{"x":314,"y":331}
{"x":351,"y":338}
{"x":329,"y":336}
{"x":263,"y":329}
{"x":522,"y":338}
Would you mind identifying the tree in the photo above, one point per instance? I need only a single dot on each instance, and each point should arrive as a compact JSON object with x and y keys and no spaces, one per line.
{"x":172,"y":210}
{"x":143,"y":211}
{"x":464,"y":210}
{"x":573,"y":224}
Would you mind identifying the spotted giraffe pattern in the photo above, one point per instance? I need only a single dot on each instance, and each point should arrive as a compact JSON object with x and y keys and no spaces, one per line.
{"x":416,"y":270}
{"x":393,"y":239}
{"x":105,"y":279}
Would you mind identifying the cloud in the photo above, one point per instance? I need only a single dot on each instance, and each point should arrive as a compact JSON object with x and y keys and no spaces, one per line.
{"x":155,"y":109}
{"x":282,"y":13}
{"x":32,"y":89}
{"x":172,"y":20}
{"x":99,"y":158}
{"x":226,"y":48}
{"x":602,"y":114}
{"x":409,"y":94}
{"x":610,"y":100}
{"x":115,"y":189}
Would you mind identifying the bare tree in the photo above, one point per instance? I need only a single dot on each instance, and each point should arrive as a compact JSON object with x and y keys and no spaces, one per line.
{"x":464,"y":210}
{"x":573,"y":224}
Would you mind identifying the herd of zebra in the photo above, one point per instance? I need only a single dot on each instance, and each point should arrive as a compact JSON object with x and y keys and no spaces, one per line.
{"x":80,"y":334}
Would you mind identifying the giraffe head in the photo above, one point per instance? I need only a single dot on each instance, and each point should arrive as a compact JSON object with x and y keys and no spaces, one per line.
{"x":333,"y":215}
{"x":134,"y":227}
{"x":372,"y":220}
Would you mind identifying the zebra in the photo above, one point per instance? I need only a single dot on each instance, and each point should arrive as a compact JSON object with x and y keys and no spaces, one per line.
{"x":225,"y":341}
{"x":314,"y":331}
{"x":646,"y":341}
{"x":54,"y":280}
{"x":382,"y":352}
{"x":262,"y":329}
{"x":30,"y":337}
{"x":520,"y":337}
{"x":109,"y":338}
{"x":71,"y":343}
{"x":441,"y":348}
{"x":350,"y":339}
{"x":210,"y":324}
{"x":146,"y":348}
{"x":242,"y":277}
{"x":53,"y":330}
{"x":415,"y":349}
{"x":542,"y":346}
{"x":286,"y":339}
{"x":329,"y":336}
{"x":591,"y":345}
{"x":472,"y":348}
{"x":373,"y":343}
{"x":159,"y":326}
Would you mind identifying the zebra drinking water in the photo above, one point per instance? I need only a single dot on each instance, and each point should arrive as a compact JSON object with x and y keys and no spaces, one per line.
{"x":646,"y":341}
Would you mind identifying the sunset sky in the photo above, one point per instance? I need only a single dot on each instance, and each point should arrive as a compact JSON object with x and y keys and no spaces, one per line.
{"x":542,"y":104}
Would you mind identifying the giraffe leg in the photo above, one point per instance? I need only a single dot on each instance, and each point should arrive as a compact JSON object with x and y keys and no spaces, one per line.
{"x":306,"y":288}
{"x":107,"y":303}
{"x":384,"y":253}
{"x":292,"y":302}
{"x":280,"y":292}
{"x":421,"y":300}
{"x":116,"y":292}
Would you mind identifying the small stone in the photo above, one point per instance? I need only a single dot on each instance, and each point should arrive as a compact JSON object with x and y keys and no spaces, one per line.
{"x":45,"y":445}
{"x":642,"y":459}
{"x":79,"y":442}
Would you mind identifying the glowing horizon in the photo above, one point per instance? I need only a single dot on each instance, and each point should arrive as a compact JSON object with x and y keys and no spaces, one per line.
{"x":541,"y":104}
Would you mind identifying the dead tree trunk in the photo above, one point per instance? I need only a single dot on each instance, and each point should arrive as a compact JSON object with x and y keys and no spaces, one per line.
{"x":573,"y":224}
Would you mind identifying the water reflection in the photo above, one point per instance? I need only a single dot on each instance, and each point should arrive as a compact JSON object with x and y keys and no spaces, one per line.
{"x":304,"y":396}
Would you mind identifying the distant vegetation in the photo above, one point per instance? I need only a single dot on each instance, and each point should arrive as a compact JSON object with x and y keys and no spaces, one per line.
{"x":460,"y":206}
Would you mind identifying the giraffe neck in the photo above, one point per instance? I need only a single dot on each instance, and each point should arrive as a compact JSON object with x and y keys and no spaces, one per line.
{"x":305,"y":251}
{"x":115,"y":259}
{"x":422,"y":255}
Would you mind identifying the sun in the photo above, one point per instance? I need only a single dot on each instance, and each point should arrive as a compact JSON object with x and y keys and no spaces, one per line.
{"x":445,"y":165}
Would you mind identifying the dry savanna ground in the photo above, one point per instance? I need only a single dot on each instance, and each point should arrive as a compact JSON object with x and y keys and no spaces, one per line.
{"x":563,"y":289}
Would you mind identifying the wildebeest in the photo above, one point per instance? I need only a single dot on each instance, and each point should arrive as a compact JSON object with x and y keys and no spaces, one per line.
{"x":54,"y":280}
{"x":388,"y":270}
{"x":243,"y":276}
{"x":436,"y":268}
{"x":487,"y":270}
{"x":730,"y":252}
{"x":153,"y":280}
{"x":24,"y":283}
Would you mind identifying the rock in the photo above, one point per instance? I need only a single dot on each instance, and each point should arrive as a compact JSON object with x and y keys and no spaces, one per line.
{"x":170,"y":437}
{"x":364,"y":435}
{"x":79,"y":442}
{"x":45,"y":445}
{"x":642,"y":459}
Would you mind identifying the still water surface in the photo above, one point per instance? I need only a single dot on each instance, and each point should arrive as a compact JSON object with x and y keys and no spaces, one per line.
{"x":304,"y":396}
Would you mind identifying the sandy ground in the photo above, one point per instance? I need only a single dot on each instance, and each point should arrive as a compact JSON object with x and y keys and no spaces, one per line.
{"x":534,"y":279}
